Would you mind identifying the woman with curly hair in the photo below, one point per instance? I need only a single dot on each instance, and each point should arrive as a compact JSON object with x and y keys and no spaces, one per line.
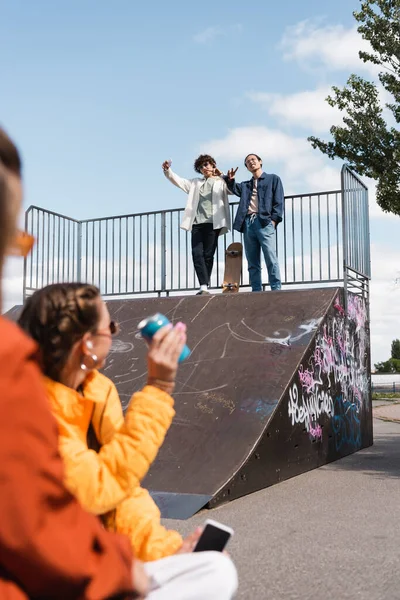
{"x":107,"y":454}
{"x":206,"y":214}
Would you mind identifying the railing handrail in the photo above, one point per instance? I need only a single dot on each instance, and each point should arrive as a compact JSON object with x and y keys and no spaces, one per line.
{"x":166,"y":210}
{"x":357,"y":177}
{"x":50,"y":212}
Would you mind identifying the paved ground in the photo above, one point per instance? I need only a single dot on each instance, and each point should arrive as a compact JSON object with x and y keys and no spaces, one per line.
{"x":387,"y":411}
{"x":331,"y":533}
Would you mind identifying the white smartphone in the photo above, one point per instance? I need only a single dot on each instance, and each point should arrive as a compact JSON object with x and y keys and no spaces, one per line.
{"x":215,"y":536}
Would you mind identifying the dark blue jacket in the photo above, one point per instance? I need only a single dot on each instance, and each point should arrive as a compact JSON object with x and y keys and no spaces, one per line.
{"x":270,"y":199}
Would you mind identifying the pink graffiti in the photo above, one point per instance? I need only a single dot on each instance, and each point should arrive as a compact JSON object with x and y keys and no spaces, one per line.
{"x":316,"y":432}
{"x":341,"y":343}
{"x":307,"y":379}
{"x":357,"y":312}
{"x":338,"y":306}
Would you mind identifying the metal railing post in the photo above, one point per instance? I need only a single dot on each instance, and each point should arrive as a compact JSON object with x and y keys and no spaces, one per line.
{"x":344,"y":233}
{"x":25,"y":264}
{"x":79,"y":252}
{"x":163,"y":253}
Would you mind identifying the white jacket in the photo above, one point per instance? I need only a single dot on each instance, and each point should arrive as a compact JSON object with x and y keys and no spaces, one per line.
{"x":220,"y":203}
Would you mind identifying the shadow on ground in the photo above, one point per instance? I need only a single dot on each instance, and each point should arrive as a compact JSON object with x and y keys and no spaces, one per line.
{"x":380,"y":460}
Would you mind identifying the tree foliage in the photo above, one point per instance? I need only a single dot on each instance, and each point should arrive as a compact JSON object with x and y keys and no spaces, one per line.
{"x":396,"y":349}
{"x":393,"y":364}
{"x":388,"y":366}
{"x":366,"y":141}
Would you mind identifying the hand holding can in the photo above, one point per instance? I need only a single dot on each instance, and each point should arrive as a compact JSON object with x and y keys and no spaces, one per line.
{"x":148,"y":327}
{"x":166,"y":348}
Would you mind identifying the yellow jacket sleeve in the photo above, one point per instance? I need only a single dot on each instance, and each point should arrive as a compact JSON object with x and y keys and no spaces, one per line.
{"x":102,"y":480}
{"x":138,"y":517}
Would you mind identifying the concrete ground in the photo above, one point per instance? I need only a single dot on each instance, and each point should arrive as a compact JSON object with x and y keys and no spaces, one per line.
{"x":387,"y":410}
{"x":330,"y":533}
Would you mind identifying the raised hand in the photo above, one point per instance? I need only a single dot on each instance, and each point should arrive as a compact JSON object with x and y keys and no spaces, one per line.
{"x":166,"y":165}
{"x":162,"y":358}
{"x":231,"y":173}
{"x":217,"y":172}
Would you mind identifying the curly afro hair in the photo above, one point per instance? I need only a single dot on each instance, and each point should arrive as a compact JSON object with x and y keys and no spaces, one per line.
{"x":202,"y":160}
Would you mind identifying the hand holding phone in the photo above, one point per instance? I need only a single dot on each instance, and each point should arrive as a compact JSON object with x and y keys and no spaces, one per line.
{"x":215,"y":536}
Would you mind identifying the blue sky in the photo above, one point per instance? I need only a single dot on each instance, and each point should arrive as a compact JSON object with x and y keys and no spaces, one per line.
{"x":97,"y":95}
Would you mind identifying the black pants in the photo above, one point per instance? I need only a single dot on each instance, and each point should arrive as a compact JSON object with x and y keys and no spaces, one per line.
{"x":204,"y":244}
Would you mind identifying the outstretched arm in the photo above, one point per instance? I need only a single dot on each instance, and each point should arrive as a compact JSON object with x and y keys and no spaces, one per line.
{"x":180,"y":182}
{"x":233,"y":187}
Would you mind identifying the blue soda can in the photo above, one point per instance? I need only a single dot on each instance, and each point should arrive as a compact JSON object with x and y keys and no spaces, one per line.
{"x":148,"y":327}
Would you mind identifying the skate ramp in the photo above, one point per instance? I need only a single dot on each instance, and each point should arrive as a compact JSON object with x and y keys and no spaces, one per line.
{"x":261,"y":397}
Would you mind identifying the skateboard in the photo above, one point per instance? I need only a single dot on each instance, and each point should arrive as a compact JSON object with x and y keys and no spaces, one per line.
{"x":233,"y":268}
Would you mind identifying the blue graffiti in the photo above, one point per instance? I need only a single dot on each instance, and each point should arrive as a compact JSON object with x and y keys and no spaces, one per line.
{"x":257,"y":406}
{"x":346,"y":424}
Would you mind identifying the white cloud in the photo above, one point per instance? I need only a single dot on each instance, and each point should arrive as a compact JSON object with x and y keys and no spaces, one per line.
{"x":211,"y":33}
{"x":333,"y":47}
{"x":207,"y":35}
{"x":302,"y":169}
{"x":308,"y":110}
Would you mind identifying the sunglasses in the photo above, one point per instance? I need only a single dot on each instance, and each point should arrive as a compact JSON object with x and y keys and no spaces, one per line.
{"x":113,"y":330}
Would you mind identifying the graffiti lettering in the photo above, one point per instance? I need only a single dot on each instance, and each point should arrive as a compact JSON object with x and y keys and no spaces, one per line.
{"x":316,"y":432}
{"x":337,"y":368}
{"x":286,"y":340}
{"x":309,"y":407}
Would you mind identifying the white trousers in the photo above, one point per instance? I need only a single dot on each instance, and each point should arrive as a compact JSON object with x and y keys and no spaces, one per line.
{"x":192,"y":576}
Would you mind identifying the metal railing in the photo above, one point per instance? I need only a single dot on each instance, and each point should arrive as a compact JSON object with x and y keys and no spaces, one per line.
{"x":356,"y":240}
{"x":148,"y":253}
{"x":385,"y":388}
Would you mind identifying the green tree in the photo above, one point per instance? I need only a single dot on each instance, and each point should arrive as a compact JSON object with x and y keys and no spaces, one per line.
{"x":366,"y":142}
{"x":388,"y":366}
{"x":396,"y":349}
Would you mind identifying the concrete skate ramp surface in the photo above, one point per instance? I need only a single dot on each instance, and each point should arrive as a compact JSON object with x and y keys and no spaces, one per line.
{"x":246,"y":350}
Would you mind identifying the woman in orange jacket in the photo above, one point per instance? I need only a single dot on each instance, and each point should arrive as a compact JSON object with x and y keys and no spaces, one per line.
{"x":72,"y":326}
{"x":49,"y":546}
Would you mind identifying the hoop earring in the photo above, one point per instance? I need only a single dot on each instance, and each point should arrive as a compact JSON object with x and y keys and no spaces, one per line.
{"x":94,"y":359}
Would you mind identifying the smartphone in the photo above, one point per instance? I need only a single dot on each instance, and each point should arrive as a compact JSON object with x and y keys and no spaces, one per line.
{"x":215,"y":536}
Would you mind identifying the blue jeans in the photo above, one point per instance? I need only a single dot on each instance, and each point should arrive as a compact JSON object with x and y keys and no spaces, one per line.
{"x":257,"y":238}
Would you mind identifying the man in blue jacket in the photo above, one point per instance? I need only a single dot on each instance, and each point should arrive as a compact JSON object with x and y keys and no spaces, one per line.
{"x":259,"y":212}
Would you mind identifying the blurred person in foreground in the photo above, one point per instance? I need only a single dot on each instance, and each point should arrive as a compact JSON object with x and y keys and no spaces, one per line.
{"x":49,"y":546}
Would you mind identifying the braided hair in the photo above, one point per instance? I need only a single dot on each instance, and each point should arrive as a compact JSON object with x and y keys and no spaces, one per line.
{"x":56,"y":317}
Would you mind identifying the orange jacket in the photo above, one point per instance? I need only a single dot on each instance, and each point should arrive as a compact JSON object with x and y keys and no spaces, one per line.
{"x":109,"y":480}
{"x":49,"y":547}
